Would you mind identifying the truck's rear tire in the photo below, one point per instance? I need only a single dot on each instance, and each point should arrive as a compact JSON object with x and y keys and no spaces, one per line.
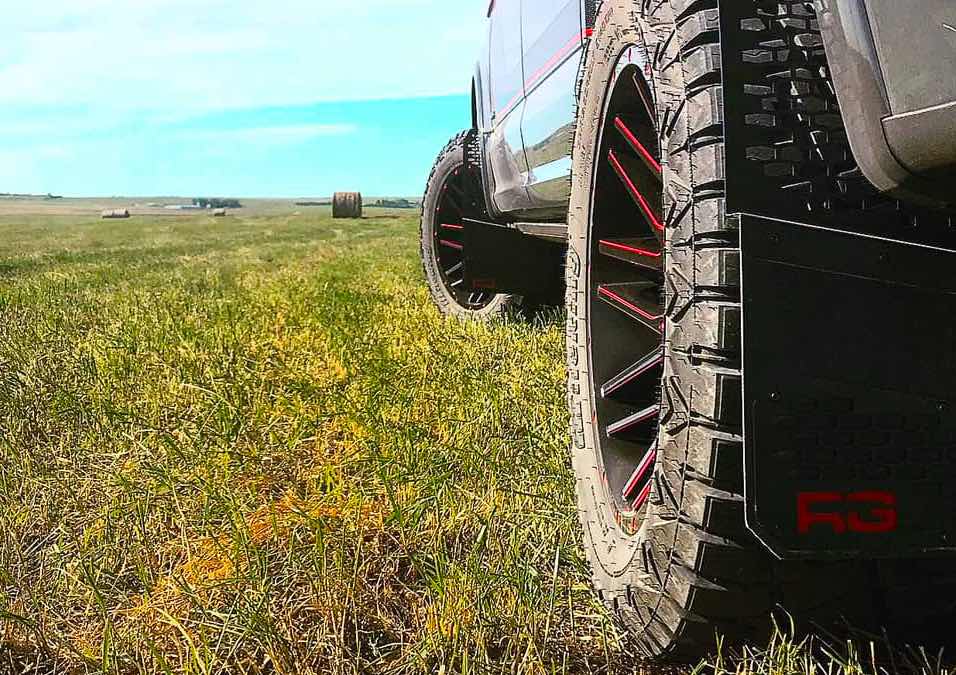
{"x":656,"y":431}
{"x":442,"y":240}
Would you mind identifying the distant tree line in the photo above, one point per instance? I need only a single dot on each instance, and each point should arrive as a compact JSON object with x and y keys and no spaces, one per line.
{"x":399,"y":203}
{"x":14,"y":195}
{"x":214,"y":203}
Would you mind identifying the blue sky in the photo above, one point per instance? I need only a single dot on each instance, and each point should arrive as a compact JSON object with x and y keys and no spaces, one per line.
{"x":232,"y":97}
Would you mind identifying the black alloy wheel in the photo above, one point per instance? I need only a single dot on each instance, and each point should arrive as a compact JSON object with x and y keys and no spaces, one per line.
{"x":625,"y":295}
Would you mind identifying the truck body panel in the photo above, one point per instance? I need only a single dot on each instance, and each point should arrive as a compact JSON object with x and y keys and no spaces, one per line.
{"x":892,"y":65}
{"x":504,"y":145}
{"x":554,"y":34}
{"x":527,"y":142}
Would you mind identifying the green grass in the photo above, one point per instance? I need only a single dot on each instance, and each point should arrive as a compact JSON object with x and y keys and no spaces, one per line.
{"x":252,"y":445}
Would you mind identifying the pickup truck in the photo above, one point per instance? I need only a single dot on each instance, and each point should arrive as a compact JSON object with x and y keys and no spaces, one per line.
{"x":746,"y":207}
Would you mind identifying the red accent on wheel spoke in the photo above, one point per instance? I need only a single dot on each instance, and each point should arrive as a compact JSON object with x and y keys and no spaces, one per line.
{"x":635,"y":143}
{"x":644,"y":252}
{"x":630,"y":249}
{"x":452,"y":226}
{"x":633,"y":420}
{"x":642,"y":498}
{"x":611,"y":295}
{"x":624,"y":378}
{"x":639,"y":473}
{"x":451,"y":244}
{"x":635,"y":193}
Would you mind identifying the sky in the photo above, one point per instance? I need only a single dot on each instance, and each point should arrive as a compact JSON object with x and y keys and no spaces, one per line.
{"x":291,"y":98}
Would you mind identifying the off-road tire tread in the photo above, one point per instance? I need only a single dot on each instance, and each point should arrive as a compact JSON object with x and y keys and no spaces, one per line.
{"x":698,"y":572}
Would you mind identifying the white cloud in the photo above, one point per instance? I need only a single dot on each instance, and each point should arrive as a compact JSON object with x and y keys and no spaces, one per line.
{"x":122,"y":85}
{"x":195,"y":55}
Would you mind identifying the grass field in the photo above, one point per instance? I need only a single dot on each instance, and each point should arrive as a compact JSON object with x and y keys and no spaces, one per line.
{"x":251,"y":445}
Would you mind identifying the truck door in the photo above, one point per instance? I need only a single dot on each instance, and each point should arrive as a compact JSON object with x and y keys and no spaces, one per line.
{"x":554,"y":38}
{"x":505,"y":150}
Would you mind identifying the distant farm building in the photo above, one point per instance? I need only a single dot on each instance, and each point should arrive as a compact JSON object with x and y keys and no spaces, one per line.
{"x":115,"y":213}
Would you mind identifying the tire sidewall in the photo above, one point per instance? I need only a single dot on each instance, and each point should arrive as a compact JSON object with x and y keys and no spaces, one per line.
{"x":611,"y":551}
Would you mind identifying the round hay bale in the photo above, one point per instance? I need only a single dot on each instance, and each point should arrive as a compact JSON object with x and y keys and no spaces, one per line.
{"x":218,"y":213}
{"x":115,"y":213}
{"x":347,"y":205}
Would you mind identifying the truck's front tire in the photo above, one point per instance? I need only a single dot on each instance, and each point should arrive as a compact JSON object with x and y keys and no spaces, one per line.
{"x":660,"y":497}
{"x":655,"y":417}
{"x":442,"y":241}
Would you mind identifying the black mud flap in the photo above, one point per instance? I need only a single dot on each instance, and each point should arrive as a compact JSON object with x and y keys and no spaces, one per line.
{"x":849,"y":364}
{"x":505,"y":260}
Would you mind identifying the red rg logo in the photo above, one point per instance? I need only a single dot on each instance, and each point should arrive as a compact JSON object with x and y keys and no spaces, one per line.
{"x":868,"y":512}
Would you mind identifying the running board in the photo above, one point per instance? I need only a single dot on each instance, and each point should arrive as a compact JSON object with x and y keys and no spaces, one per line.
{"x":548,"y":231}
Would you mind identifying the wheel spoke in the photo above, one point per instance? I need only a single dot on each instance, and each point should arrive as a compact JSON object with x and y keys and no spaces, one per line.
{"x":451,"y":244}
{"x":653,"y":219}
{"x":638,"y":147}
{"x":637,"y":300}
{"x":644,"y":252}
{"x":650,"y":364}
{"x":635,"y":483}
{"x":642,"y":497}
{"x":645,"y":417}
{"x":451,"y":201}
{"x":460,"y":196}
{"x":452,"y":226}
